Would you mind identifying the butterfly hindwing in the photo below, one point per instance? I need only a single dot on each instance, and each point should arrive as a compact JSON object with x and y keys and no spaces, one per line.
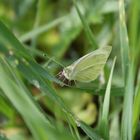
{"x":88,"y":68}
{"x":87,"y":74}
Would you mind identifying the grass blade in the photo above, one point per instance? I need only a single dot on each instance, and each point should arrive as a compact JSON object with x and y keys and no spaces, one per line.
{"x":23,"y":53}
{"x":87,"y":29}
{"x":37,"y":21}
{"x":127,"y":107}
{"x":23,"y":102}
{"x":136,"y":110}
{"x":104,"y":129}
{"x":128,"y":72}
{"x":42,"y":29}
{"x":9,"y":40}
{"x":23,"y":57}
{"x":134,"y":23}
{"x":123,"y":40}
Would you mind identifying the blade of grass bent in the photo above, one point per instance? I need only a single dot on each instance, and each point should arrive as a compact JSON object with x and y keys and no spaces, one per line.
{"x":103,"y":126}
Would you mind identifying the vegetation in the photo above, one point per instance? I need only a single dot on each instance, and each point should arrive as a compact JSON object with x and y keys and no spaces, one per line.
{"x":38,"y":38}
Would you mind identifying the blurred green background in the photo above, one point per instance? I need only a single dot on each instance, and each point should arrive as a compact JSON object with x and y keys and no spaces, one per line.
{"x":49,"y":36}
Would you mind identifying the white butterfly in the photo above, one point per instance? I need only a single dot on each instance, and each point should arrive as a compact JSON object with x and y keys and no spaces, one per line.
{"x":88,"y":67}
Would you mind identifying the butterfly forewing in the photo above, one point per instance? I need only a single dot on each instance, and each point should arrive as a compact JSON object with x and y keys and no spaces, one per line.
{"x":89,"y":61}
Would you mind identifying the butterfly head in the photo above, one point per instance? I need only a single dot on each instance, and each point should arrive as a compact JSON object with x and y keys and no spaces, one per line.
{"x":67,"y":72}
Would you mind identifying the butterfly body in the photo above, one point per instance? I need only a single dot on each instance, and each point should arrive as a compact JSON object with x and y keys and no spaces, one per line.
{"x":88,"y":67}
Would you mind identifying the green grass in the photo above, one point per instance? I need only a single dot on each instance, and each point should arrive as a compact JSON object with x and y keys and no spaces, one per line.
{"x":38,"y":39}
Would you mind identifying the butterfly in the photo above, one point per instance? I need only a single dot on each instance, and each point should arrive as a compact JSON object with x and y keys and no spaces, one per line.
{"x":88,"y":67}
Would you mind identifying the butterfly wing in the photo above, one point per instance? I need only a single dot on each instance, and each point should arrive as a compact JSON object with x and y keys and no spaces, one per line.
{"x":88,"y":68}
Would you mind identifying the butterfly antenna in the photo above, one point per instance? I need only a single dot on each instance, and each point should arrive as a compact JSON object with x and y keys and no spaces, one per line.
{"x":54,"y":60}
{"x":59,"y":74}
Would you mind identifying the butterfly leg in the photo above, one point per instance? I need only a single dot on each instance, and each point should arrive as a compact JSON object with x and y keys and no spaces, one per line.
{"x":69,"y":83}
{"x":75,"y":83}
{"x":59,"y":74}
